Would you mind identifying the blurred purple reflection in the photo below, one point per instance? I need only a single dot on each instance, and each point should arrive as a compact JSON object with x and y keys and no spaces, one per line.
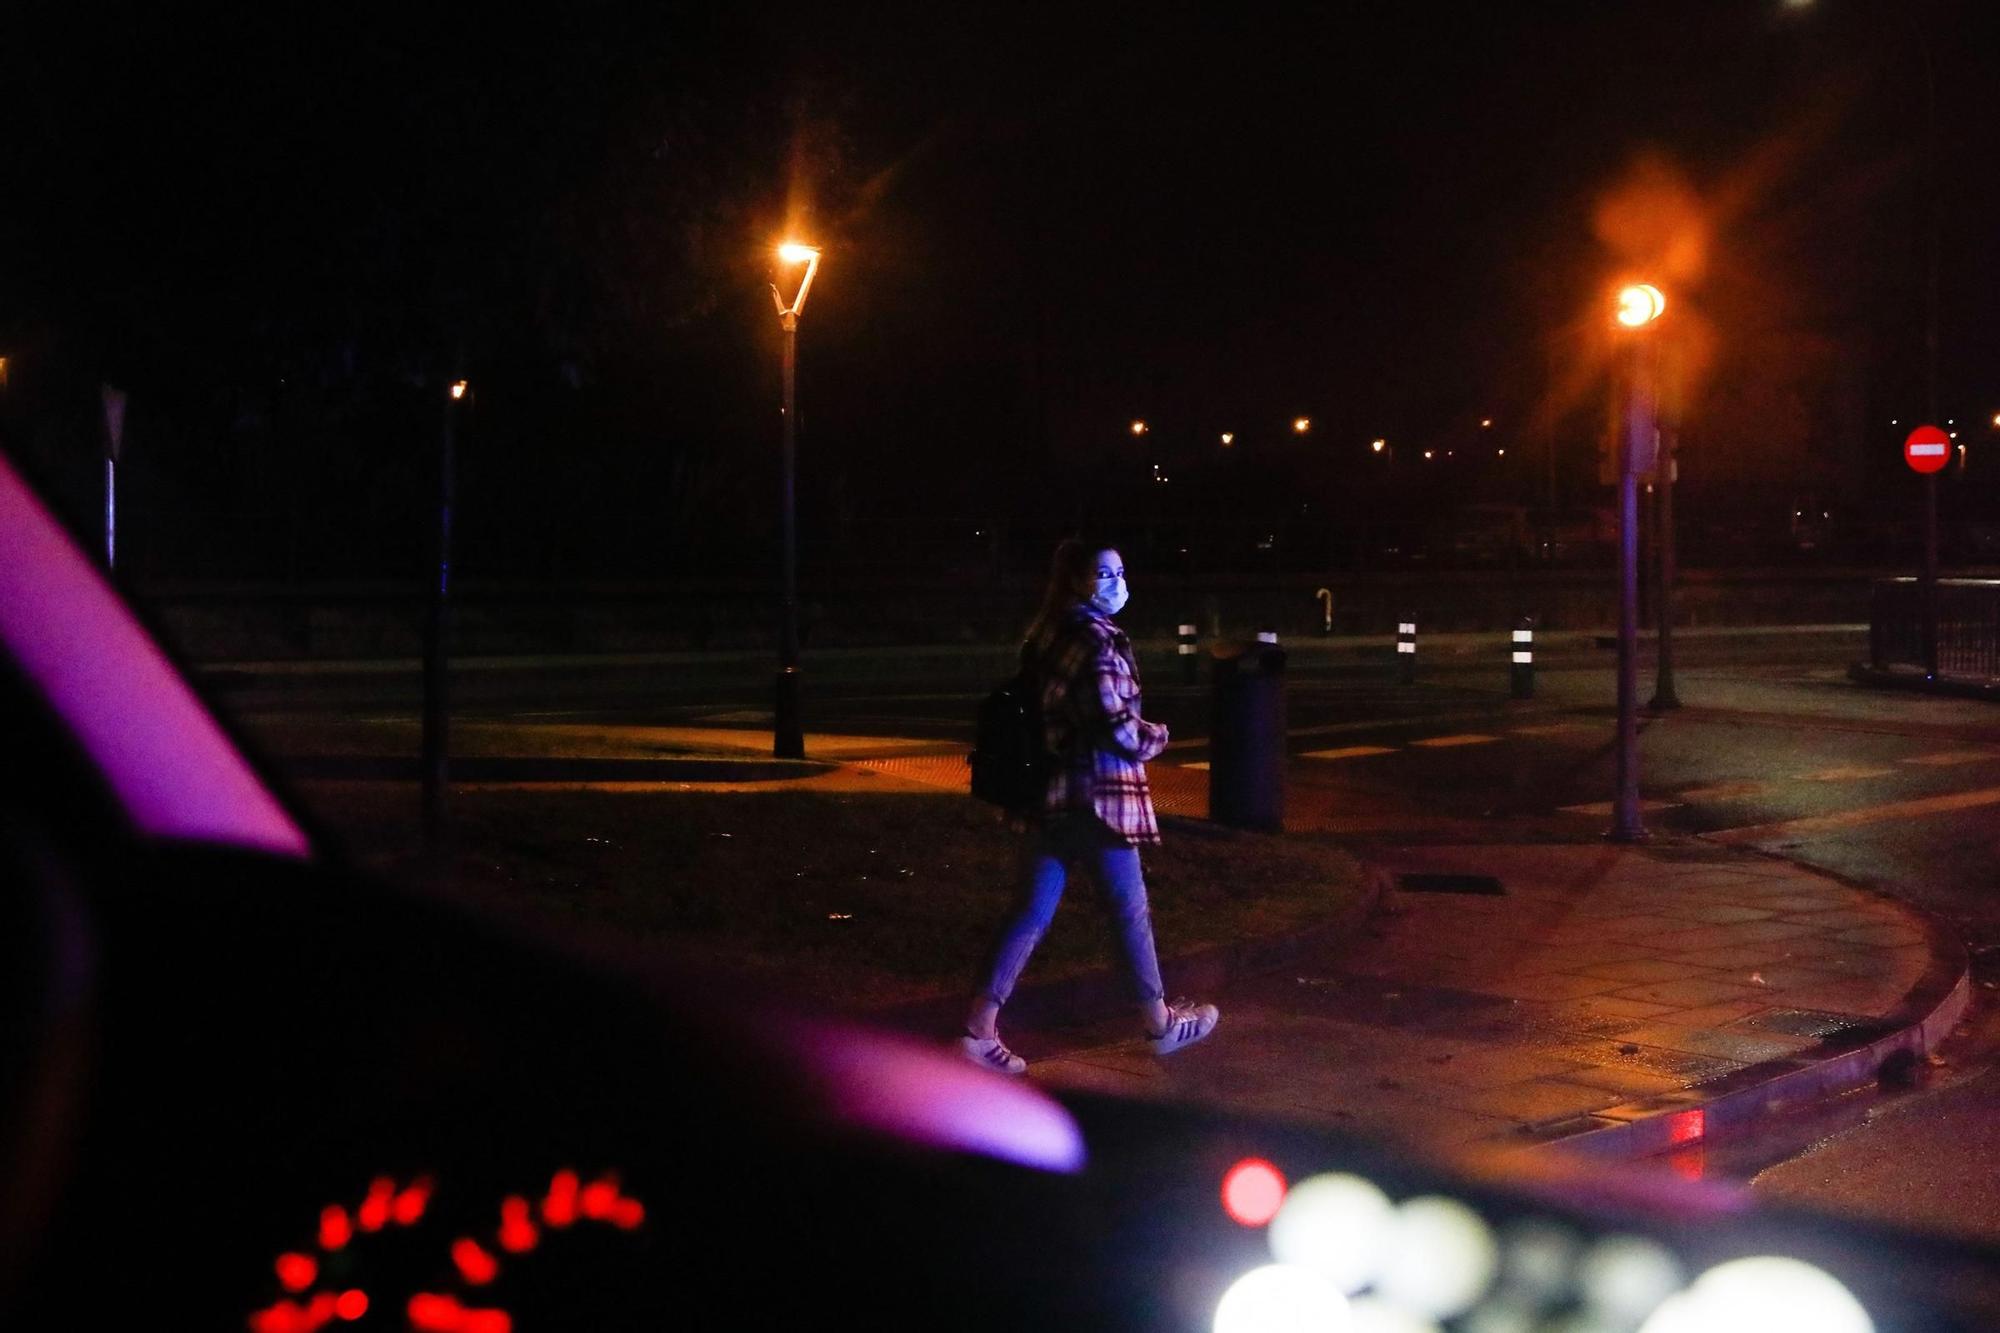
{"x":170,"y":765}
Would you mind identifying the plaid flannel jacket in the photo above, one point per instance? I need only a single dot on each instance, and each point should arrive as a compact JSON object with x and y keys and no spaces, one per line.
{"x":1090,"y":717}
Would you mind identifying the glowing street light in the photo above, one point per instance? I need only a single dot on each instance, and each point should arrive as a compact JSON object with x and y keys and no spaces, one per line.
{"x":1138,"y":428}
{"x":457,"y":390}
{"x":788,"y":736}
{"x":1300,"y":425}
{"x":1640,"y":304}
{"x":1638,"y":307}
{"x":1486,"y":423}
{"x":1228,"y":438}
{"x":1378,"y":445}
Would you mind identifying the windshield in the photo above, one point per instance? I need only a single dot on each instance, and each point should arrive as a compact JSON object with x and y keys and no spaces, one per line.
{"x":604,"y":471}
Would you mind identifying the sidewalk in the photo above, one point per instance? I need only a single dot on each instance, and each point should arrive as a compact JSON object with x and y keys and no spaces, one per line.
{"x":1618,"y":1002}
{"x":1582,"y":997}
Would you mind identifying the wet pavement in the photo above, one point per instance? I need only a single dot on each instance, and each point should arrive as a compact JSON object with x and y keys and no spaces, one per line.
{"x":1602,"y":985}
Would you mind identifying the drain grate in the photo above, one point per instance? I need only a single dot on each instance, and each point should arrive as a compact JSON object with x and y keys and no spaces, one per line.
{"x":1485,"y":884}
{"x":1798,"y":1022}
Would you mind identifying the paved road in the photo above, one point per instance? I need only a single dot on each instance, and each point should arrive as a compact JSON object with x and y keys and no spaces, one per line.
{"x":1774,"y":750}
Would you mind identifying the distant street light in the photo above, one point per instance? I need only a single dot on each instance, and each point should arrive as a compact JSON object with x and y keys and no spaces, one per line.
{"x":788,"y":736}
{"x":1228,"y":438}
{"x":1486,"y":423}
{"x":1300,"y":425}
{"x":1430,"y":453}
{"x":436,"y":740}
{"x":1138,"y":428}
{"x":1378,"y":445}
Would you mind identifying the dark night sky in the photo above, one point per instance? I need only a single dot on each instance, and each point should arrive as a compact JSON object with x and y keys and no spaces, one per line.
{"x":1039,"y":222}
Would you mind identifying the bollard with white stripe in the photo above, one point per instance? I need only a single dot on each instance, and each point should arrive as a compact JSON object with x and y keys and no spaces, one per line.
{"x":1523,"y":668}
{"x":1406,"y":649}
{"x":1186,"y":646}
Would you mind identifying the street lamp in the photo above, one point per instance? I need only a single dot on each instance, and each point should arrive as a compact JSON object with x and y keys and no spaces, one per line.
{"x":436,"y":740}
{"x":788,"y":738}
{"x":1639,"y":306}
{"x":1300,"y":425}
{"x":1139,"y":427}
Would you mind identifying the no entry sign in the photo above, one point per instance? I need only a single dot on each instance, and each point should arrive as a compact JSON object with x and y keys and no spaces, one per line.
{"x":1927,"y":449}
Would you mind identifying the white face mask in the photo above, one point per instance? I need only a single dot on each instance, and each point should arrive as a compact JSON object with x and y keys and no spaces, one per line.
{"x":1111,"y":595}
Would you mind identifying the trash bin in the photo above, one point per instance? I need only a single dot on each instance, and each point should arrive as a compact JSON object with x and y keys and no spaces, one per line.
{"x":1246,"y":767}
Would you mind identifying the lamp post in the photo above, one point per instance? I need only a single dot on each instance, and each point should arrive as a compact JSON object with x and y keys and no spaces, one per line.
{"x":1666,"y":469}
{"x":788,"y":738}
{"x":437,"y":626}
{"x":1639,"y":306}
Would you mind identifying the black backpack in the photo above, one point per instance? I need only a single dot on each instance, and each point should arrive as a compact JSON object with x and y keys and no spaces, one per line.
{"x":1009,"y":761}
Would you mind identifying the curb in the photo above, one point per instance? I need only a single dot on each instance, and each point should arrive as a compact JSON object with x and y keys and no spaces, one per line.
{"x":1863,"y":673}
{"x":1100,"y":993}
{"x":555,"y":768}
{"x":1738,"y":1103}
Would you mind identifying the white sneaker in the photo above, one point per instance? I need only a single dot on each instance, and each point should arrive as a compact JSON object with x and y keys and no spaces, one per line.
{"x":992,"y":1053}
{"x":1186,"y":1024}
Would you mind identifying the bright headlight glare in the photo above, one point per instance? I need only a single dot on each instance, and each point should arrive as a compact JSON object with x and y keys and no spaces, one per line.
{"x":1335,"y":1224}
{"x":1372,"y":1314}
{"x":1441,"y":1256}
{"x":1626,"y":1277}
{"x":1760,"y":1295}
{"x":1279,"y":1298}
{"x":1537,"y":1257}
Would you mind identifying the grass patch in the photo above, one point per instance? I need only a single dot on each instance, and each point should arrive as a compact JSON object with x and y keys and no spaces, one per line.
{"x":862,"y":898}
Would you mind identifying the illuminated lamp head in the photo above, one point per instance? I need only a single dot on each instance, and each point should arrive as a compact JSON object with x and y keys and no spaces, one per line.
{"x":1640,"y":304}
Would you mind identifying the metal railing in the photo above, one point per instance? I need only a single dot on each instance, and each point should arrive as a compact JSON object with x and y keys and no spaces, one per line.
{"x":1968,"y":627}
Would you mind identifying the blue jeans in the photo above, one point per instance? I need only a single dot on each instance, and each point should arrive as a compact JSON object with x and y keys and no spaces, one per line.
{"x":1114,"y":864}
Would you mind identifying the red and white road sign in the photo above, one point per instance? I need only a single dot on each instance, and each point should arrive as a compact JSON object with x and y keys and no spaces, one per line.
{"x":1927,"y":450}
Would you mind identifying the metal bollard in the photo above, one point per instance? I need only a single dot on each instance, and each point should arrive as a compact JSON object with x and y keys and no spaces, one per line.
{"x":1523,"y":669}
{"x":1406,"y":649}
{"x":1190,"y":669}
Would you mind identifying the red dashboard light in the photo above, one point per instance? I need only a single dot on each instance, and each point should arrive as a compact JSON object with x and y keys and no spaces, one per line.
{"x":599,"y":1198}
{"x":408,"y":1209}
{"x":296,"y":1272}
{"x":517,"y":1231}
{"x":351,"y":1305}
{"x":475,"y":1265}
{"x":430,"y":1313}
{"x":559,"y":1208}
{"x":334,"y":1228}
{"x":1252,"y":1191}
{"x":373,"y":1214}
{"x":294,"y":1316}
{"x":627,"y":1214}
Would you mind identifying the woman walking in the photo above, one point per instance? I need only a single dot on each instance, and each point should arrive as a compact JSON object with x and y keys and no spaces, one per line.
{"x":1097,"y":811}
